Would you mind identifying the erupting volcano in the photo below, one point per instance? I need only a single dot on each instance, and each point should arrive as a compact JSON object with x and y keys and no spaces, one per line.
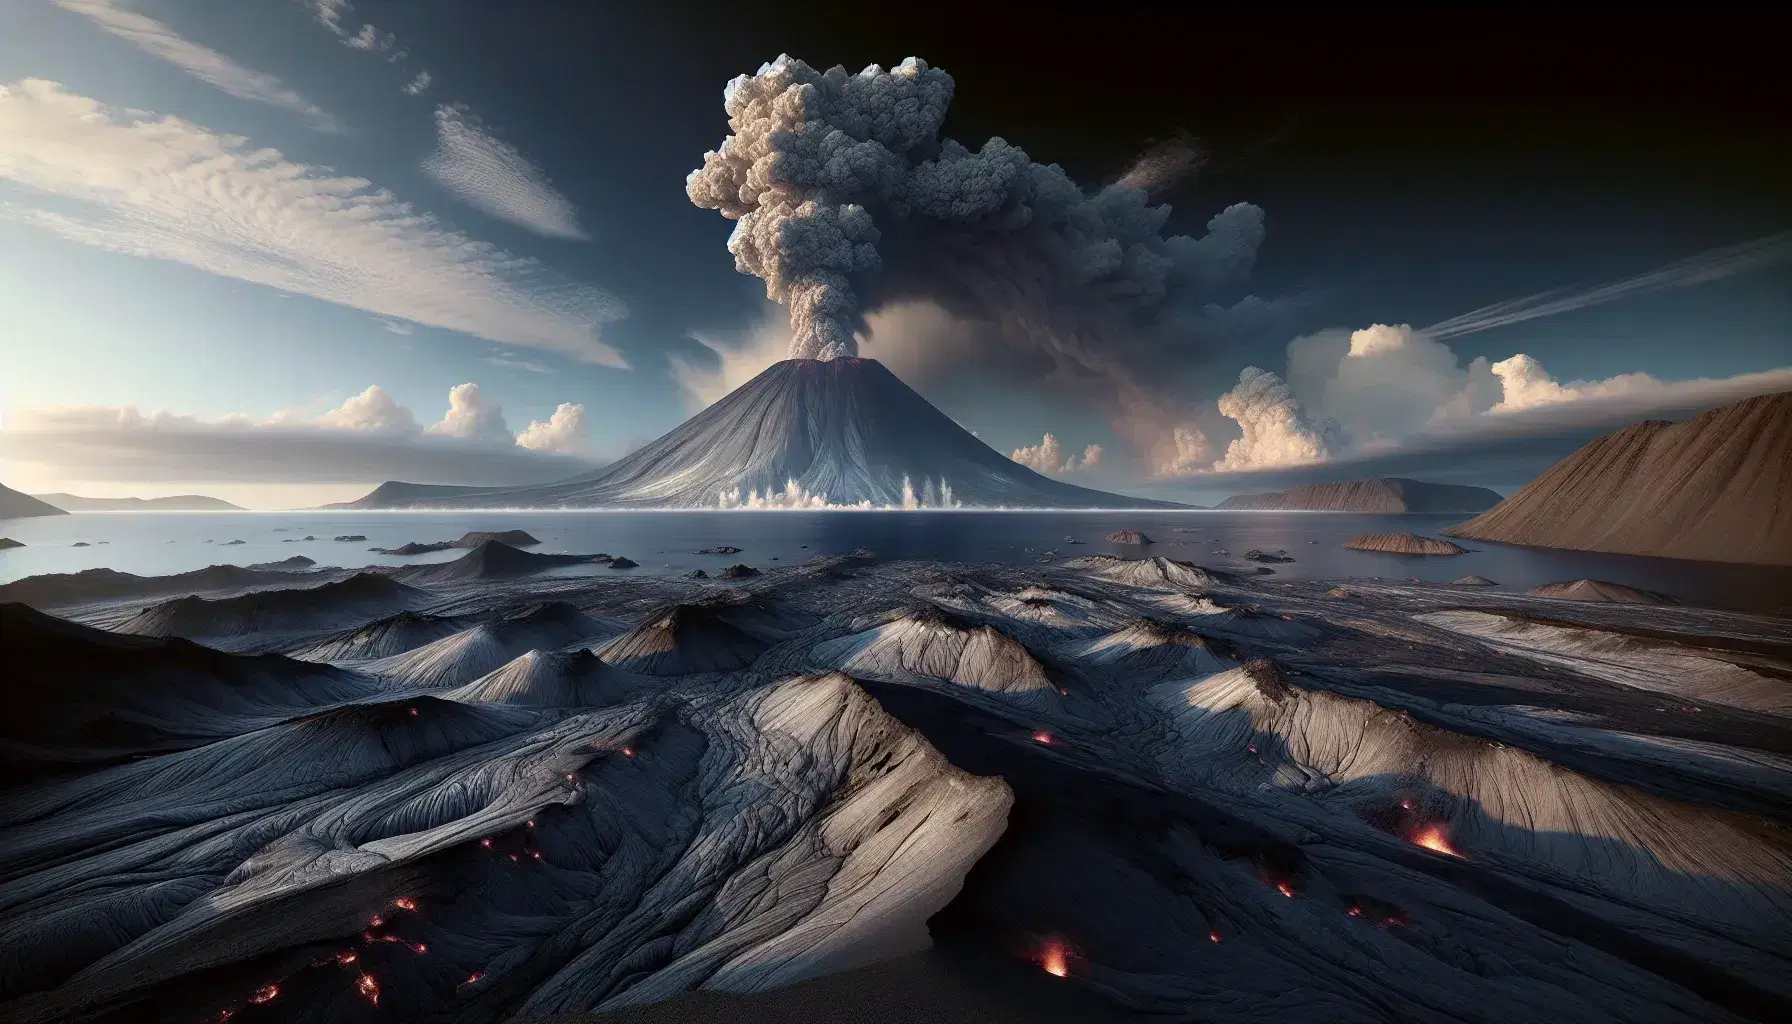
{"x":809,"y":433}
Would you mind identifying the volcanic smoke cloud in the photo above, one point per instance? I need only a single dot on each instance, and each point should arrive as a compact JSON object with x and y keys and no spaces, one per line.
{"x":847,"y":198}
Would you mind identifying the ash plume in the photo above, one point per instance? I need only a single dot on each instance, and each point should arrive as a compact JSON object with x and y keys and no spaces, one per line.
{"x":848,"y":199}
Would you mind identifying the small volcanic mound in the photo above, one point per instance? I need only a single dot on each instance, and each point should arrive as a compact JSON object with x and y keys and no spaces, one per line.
{"x":294,"y":563}
{"x":685,"y":639}
{"x":1600,"y":590}
{"x":467,"y":654}
{"x":351,"y":537}
{"x":491,"y":559}
{"x":1148,"y":651}
{"x":929,"y":642}
{"x":566,"y":679}
{"x":1471,"y":580}
{"x":1133,"y":537}
{"x":623,"y":562}
{"x":382,"y":638}
{"x":719,"y":549}
{"x":80,"y":544}
{"x":737,"y":572}
{"x":1403,"y":544}
{"x":696,"y":574}
{"x":1156,"y":572}
{"x":8,"y":542}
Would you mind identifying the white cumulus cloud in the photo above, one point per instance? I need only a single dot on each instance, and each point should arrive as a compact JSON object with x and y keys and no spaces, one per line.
{"x":489,"y":174}
{"x":373,"y":409}
{"x":205,"y":64}
{"x":1277,"y":431}
{"x":471,"y":416}
{"x":165,"y":188}
{"x":418,"y":85}
{"x":1049,"y":457}
{"x":565,"y":431}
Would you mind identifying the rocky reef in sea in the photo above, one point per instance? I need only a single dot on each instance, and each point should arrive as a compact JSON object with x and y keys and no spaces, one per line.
{"x":506,"y":790}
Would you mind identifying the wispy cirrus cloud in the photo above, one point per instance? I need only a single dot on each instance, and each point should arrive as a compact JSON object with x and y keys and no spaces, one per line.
{"x":1711,"y":265}
{"x":510,"y":360}
{"x":418,"y":85}
{"x":165,"y":188}
{"x":489,"y":174}
{"x":201,"y":62}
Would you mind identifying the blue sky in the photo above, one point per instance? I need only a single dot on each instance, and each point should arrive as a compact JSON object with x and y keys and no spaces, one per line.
{"x":557,"y":147}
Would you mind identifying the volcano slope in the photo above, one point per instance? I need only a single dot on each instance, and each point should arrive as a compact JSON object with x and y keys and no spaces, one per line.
{"x":1182,"y":794}
{"x":808,"y":431}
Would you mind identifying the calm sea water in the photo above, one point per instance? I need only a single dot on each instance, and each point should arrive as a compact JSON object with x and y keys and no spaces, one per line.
{"x":162,"y":543}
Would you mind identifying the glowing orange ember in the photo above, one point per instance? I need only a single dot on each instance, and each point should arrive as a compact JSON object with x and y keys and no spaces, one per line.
{"x":1356,"y":911}
{"x":513,"y":858}
{"x":419,"y":948}
{"x":1285,"y":889}
{"x":475,"y":978}
{"x":1042,"y":737}
{"x":347,"y":956}
{"x":628,"y":751}
{"x":369,"y":987}
{"x":413,"y":711}
{"x":1432,"y":838}
{"x":487,"y":843}
{"x":531,"y":822}
{"x":265,"y":994}
{"x":405,"y":903}
{"x":1214,"y":935}
{"x":376,"y":922}
{"x":569,"y":778}
{"x":1055,"y":962}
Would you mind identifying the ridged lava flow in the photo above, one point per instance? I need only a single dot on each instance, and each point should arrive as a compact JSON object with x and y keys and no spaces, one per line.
{"x":77,"y":695}
{"x":470,"y":653}
{"x":53,"y":590}
{"x":1715,"y":487}
{"x":844,"y":430}
{"x":1385,"y":494}
{"x":333,"y":605}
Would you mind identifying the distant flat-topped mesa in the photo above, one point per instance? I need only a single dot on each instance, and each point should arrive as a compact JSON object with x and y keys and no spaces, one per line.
{"x":805,"y":433}
{"x":14,"y":505}
{"x":1717,"y":487}
{"x":398,"y":494}
{"x":1384,"y":494}
{"x":171,"y":503}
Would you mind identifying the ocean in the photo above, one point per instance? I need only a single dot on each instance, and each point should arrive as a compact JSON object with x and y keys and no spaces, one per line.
{"x":160,"y":543}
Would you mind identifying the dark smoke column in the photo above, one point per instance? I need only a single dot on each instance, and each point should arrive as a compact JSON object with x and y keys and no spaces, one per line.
{"x":808,"y":151}
{"x":848,"y":198}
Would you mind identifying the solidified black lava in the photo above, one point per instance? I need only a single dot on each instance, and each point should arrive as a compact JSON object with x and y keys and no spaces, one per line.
{"x":1139,"y":784}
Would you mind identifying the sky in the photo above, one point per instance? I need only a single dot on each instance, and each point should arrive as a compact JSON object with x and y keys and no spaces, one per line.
{"x":278,"y":251}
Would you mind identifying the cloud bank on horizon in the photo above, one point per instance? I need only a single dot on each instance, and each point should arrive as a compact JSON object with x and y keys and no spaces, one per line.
{"x":369,"y":436}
